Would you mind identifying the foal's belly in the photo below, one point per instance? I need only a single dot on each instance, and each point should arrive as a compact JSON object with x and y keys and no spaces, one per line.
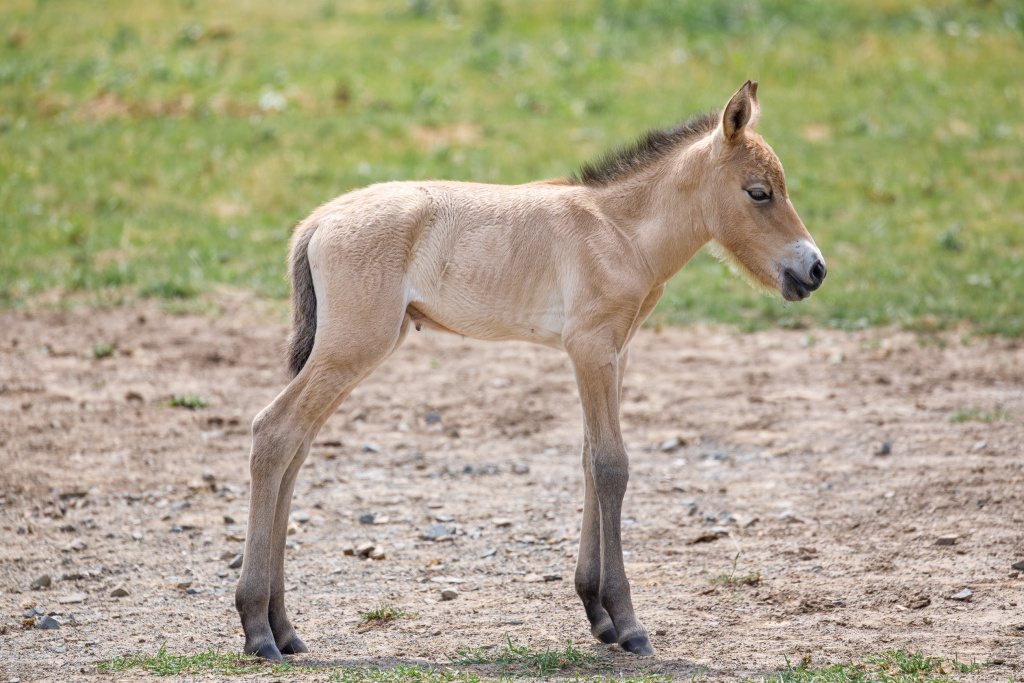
{"x":538,"y":317}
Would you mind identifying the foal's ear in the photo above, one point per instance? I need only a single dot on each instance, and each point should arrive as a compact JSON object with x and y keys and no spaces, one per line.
{"x":742,"y":111}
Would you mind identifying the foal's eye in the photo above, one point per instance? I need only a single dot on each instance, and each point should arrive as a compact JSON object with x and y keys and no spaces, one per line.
{"x":759,"y":195}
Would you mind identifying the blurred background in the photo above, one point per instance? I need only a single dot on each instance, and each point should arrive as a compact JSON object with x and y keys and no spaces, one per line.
{"x":166,"y":149}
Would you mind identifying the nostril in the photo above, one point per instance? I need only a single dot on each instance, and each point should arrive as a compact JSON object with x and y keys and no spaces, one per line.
{"x":818,"y":272}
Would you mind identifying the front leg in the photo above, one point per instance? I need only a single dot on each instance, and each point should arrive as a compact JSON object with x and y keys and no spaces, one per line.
{"x":588,"y":564}
{"x":596,"y":363}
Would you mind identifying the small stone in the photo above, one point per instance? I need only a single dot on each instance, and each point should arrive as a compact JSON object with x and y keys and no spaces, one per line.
{"x":839,"y":602}
{"x":381,"y":519}
{"x":719,"y":531}
{"x":377,"y":553}
{"x":660,"y":632}
{"x":920,"y":602}
{"x":192,"y":591}
{"x":963,"y":595}
{"x":500,"y":383}
{"x":120,"y":591}
{"x":552,"y":577}
{"x":790,"y":517}
{"x":47,"y":622}
{"x":367,"y":518}
{"x":349,"y":550}
{"x":435,"y":532}
{"x":301,"y":516}
{"x":371,"y":448}
{"x":520,"y":468}
{"x":68,"y":528}
{"x":184,"y":585}
{"x":76,"y":545}
{"x":501,"y":522}
{"x":532,"y":578}
{"x":1019,"y":566}
{"x":432,"y":417}
{"x":72,"y":599}
{"x":946,"y":540}
{"x":364,"y":549}
{"x":449,"y":594}
{"x":41,"y":582}
{"x":236,"y":561}
{"x":228,"y":519}
{"x":885,"y":448}
{"x":209,"y":477}
{"x":137,"y":535}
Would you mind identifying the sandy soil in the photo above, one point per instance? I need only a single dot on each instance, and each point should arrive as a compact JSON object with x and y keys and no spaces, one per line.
{"x":780,"y":445}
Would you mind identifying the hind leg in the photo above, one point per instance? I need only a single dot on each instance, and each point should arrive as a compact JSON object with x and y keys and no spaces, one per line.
{"x":347,"y":349}
{"x":285,"y":637}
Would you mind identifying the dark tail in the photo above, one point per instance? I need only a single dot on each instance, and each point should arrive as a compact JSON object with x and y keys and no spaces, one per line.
{"x":300,"y":342}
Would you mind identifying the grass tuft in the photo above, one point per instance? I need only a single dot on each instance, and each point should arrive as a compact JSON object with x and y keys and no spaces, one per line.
{"x":973,"y":414}
{"x":190,"y":401}
{"x":383,"y":612}
{"x":521,"y":660}
{"x":734,"y":578}
{"x":103,"y":351}
{"x":892,"y":666}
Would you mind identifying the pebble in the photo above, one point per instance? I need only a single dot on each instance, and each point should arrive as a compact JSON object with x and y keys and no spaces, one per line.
{"x":364,"y":549}
{"x":501,"y":522}
{"x":236,"y":561}
{"x":946,"y":540}
{"x":72,"y":599}
{"x":41,"y":582}
{"x":432,"y":417}
{"x":790,"y":516}
{"x":500,"y":383}
{"x":670,"y":445}
{"x":1019,"y":566}
{"x":76,"y":545}
{"x":371,"y":448}
{"x":520,"y":468}
{"x":137,"y":535}
{"x":228,"y":519}
{"x":884,"y":449}
{"x":367,"y":518}
{"x":377,"y":553}
{"x":184,"y":585}
{"x":963,"y":595}
{"x":120,"y":591}
{"x":435,"y":532}
{"x":209,"y":477}
{"x":47,"y":622}
{"x":301,"y":516}
{"x":449,"y":594}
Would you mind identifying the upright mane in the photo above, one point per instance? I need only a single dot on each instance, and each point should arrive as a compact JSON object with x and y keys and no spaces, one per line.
{"x":650,"y":147}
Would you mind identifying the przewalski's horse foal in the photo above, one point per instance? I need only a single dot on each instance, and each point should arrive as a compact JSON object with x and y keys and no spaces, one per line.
{"x":576,"y":264}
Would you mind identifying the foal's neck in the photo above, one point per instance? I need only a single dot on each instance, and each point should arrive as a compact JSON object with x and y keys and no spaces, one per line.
{"x":660,"y":209}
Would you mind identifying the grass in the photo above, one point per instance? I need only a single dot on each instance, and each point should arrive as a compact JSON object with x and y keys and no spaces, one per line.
{"x":517,"y":661}
{"x":382,"y":613}
{"x":190,"y":401}
{"x":892,"y":666}
{"x":166,"y":149}
{"x":734,"y":578}
{"x":103,"y":351}
{"x":514,"y":660}
{"x":974,"y":414}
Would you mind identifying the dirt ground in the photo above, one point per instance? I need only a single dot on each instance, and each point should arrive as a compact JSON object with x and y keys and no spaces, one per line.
{"x":823,"y":461}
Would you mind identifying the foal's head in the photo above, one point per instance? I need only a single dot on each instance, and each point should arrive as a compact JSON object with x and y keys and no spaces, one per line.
{"x":748,"y":211}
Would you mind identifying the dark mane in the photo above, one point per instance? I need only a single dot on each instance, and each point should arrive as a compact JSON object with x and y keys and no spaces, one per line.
{"x":645,"y":150}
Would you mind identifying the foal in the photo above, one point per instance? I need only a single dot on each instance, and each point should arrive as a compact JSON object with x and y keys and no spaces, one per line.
{"x":577,"y":264}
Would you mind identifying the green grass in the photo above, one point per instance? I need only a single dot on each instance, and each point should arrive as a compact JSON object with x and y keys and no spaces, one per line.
{"x":734,"y":578}
{"x":382,"y":613}
{"x":893,"y":666}
{"x":974,"y":414}
{"x":103,"y":351}
{"x":190,"y":401}
{"x":514,"y":660}
{"x":166,"y":149}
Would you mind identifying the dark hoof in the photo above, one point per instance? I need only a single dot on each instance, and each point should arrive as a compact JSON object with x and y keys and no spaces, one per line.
{"x":638,"y":645}
{"x":268,"y":651}
{"x":296,"y":647}
{"x":608,"y":637}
